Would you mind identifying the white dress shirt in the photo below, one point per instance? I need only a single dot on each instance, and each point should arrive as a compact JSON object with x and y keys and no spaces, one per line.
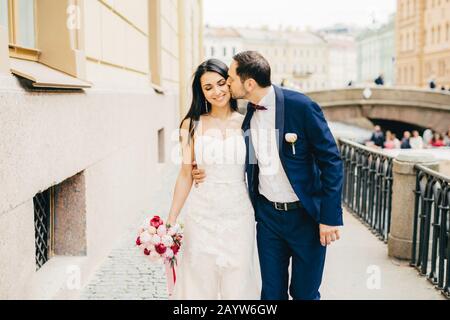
{"x":273,"y":181}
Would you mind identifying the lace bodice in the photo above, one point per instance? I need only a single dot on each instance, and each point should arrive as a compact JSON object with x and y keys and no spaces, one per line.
{"x":222,"y":159}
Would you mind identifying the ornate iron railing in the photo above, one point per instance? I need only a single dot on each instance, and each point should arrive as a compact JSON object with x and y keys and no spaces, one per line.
{"x":367,"y":190}
{"x":431,"y":232}
{"x":43,"y":216}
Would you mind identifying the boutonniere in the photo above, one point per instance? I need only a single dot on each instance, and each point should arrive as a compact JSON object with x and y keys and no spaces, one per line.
{"x":292,"y":139}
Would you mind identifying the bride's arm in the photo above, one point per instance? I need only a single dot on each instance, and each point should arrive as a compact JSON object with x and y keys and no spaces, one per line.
{"x":184,"y":181}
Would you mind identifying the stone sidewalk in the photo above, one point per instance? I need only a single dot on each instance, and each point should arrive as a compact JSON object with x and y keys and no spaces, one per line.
{"x":126,"y":273}
{"x":357,"y":266}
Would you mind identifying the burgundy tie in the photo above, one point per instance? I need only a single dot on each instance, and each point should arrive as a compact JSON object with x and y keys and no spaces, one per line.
{"x":257,"y":107}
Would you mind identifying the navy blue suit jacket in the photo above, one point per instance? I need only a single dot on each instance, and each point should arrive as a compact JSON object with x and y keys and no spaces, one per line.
{"x":316,"y":170}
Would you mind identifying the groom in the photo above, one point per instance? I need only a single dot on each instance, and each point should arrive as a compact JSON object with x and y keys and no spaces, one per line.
{"x":294,"y":174}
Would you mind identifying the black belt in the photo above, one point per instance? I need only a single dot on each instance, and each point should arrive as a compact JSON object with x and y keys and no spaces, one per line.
{"x":285,"y":206}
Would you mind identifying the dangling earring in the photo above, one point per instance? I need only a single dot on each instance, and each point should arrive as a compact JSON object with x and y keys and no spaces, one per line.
{"x":206,"y":105}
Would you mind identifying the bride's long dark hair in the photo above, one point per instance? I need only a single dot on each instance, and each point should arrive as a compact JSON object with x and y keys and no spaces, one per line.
{"x":199,"y":104}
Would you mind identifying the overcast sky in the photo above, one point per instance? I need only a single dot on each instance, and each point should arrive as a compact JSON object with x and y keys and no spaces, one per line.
{"x":299,"y":13}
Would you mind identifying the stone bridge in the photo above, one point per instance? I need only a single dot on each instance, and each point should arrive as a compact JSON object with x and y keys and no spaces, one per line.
{"x":424,"y":108}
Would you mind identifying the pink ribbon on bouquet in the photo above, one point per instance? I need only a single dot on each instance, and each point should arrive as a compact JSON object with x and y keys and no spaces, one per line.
{"x":171,"y":276}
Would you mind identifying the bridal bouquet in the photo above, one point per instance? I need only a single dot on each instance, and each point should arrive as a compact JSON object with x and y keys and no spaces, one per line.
{"x":161,"y":243}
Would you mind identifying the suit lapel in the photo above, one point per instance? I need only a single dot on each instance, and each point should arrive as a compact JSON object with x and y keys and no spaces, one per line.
{"x":279,"y":118}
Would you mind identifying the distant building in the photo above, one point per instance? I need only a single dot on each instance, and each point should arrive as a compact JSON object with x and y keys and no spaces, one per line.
{"x":222,"y":43}
{"x":376,"y":53}
{"x":299,"y":59}
{"x":423,"y":37}
{"x":342,"y":55}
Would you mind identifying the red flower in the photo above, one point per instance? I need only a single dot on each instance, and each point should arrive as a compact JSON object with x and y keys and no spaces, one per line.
{"x":156,"y":222}
{"x":138,"y":241}
{"x":175,"y":248}
{"x":160,"y":248}
{"x":146,"y":252}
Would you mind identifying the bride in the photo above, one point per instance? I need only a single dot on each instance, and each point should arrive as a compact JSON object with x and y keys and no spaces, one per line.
{"x":219,"y":260}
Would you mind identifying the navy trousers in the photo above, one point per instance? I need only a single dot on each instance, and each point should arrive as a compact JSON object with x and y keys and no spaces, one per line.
{"x":286,"y":235}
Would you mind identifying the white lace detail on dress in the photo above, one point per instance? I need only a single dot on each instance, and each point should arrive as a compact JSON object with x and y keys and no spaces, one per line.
{"x":219,"y":239}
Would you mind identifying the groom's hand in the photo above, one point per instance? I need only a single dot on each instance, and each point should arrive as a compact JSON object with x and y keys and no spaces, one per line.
{"x":197,"y":174}
{"x":328,"y":234}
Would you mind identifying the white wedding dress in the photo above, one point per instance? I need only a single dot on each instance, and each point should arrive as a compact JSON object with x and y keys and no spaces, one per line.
{"x":219,"y":256}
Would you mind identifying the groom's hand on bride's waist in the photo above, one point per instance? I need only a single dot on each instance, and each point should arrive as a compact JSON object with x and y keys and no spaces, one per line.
{"x":328,"y":234}
{"x":197,"y":174}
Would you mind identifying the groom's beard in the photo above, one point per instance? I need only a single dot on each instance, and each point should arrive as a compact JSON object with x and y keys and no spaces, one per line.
{"x":243,"y":96}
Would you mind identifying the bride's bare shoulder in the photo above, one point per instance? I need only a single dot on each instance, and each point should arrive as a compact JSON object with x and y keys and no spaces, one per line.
{"x":185,"y":123}
{"x":238,"y":116}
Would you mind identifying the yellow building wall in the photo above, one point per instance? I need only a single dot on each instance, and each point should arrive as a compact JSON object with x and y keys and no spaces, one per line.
{"x":423,"y":42}
{"x":190,"y":19}
{"x":169,"y":45}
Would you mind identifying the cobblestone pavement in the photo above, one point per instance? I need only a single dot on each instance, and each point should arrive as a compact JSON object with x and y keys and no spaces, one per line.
{"x":126,"y":274}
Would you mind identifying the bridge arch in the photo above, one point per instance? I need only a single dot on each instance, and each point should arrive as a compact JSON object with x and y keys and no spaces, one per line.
{"x":423,"y":108}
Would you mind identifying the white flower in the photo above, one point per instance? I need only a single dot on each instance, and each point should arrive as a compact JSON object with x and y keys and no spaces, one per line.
{"x":291,"y":137}
{"x":169,"y":253}
{"x":145,"y":237}
{"x":167,"y":240}
{"x":156,"y":239}
{"x":175,"y":229}
{"x":150,"y":247}
{"x":154,"y":256}
{"x":151,"y":230}
{"x":171,"y":232}
{"x":162,"y":230}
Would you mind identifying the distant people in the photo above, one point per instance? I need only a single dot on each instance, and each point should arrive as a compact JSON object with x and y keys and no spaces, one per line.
{"x":443,"y":88}
{"x":405,"y":143}
{"x":432,"y":84}
{"x":447,"y":138}
{"x":438,"y":140}
{"x":416,"y":141}
{"x":377,"y":137}
{"x":389,"y":142}
{"x":397,"y":143}
{"x":283,"y":83}
{"x":379,"y":81}
{"x":350,"y":83}
{"x":427,"y":136}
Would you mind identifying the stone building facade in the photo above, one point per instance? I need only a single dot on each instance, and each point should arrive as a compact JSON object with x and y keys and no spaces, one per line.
{"x":91,"y":92}
{"x":423,"y":37}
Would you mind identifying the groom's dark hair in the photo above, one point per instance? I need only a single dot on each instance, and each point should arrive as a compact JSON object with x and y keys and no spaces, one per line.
{"x":252,"y":65}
